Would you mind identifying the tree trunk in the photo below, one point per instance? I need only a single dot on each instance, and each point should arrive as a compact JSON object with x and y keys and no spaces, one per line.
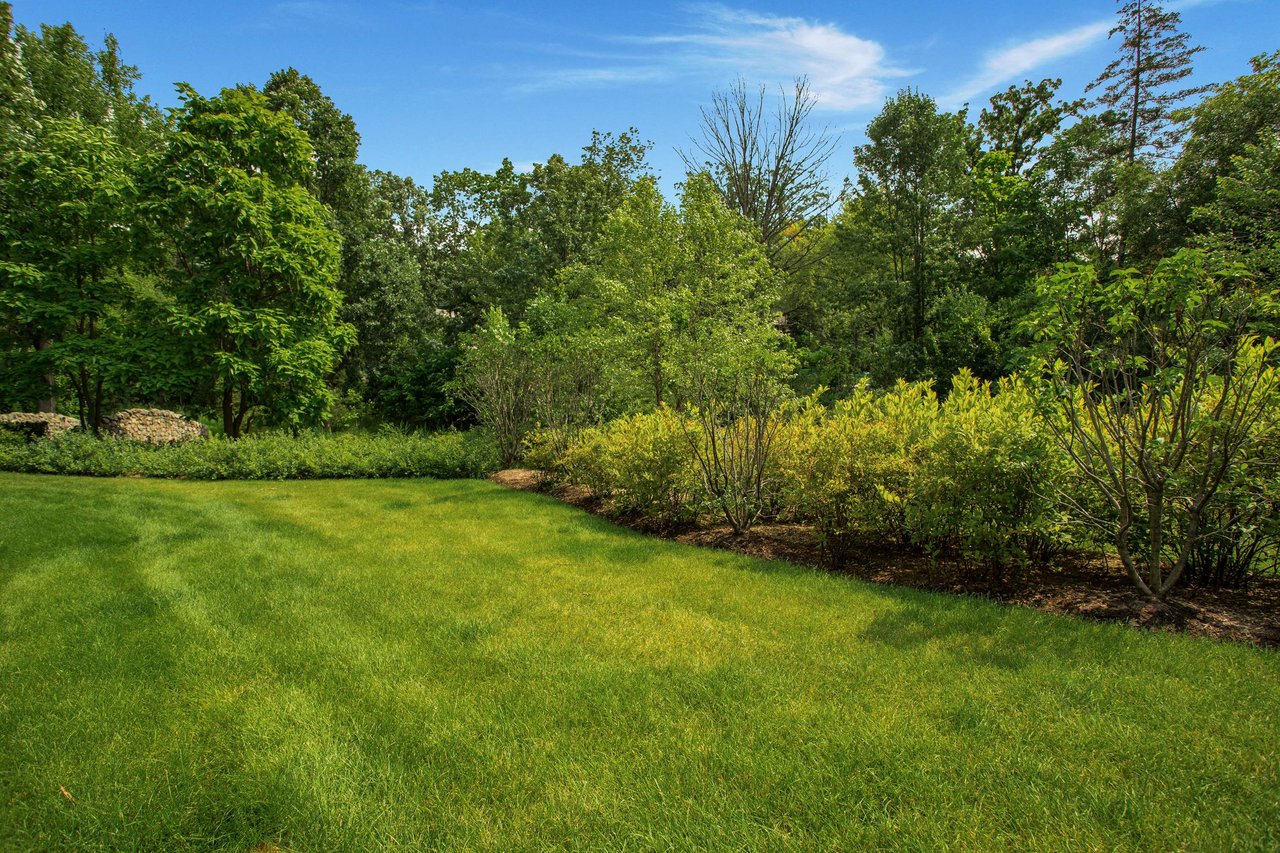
{"x":1137,"y":88}
{"x":1155,"y":538}
{"x":50,"y":403}
{"x":95,"y":409}
{"x":228,"y":410}
{"x":242,"y":409}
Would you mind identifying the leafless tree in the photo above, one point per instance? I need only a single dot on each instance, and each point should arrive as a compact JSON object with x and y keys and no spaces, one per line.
{"x":769,"y":166}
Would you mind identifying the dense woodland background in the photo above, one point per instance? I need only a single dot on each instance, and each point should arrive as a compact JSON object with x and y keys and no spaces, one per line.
{"x":233,"y":259}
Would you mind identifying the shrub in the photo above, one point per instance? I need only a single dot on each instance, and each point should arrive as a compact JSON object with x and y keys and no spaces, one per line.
{"x":585,"y":462}
{"x":652,"y":468}
{"x":732,"y":432}
{"x":268,"y":456}
{"x":979,"y":487}
{"x":850,"y":470}
{"x":1158,"y":390}
{"x":493,"y":378}
{"x":642,"y":462}
{"x":1239,"y":535}
{"x":965,"y":476}
{"x":545,"y":448}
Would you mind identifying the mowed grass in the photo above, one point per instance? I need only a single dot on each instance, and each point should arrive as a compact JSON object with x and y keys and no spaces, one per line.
{"x":422,"y":665}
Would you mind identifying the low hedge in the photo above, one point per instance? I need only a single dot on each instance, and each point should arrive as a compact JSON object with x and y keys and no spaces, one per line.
{"x":974,"y":475}
{"x":269,"y":456}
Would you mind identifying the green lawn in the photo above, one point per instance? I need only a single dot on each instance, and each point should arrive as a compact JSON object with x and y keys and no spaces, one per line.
{"x":413,"y":664}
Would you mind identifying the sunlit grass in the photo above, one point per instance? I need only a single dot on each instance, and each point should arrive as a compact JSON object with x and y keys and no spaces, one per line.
{"x":417,"y":664}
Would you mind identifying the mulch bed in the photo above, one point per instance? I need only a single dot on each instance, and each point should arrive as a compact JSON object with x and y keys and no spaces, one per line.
{"x":1090,"y":586}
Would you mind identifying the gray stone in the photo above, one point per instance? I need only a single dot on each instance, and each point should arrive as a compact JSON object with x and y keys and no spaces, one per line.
{"x":154,"y":426}
{"x":38,"y":424}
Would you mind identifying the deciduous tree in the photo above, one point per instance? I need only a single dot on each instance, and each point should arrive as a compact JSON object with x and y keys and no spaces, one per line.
{"x":255,"y":259}
{"x":1158,"y":391}
{"x":770,"y":168}
{"x":65,"y":225}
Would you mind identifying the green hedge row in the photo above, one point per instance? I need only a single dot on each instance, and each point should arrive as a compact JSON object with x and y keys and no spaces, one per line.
{"x":270,"y":456}
{"x":972,"y":475}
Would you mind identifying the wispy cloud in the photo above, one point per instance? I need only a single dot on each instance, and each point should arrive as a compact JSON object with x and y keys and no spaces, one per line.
{"x":1012,"y":62}
{"x":845,"y":72}
{"x":574,"y":78}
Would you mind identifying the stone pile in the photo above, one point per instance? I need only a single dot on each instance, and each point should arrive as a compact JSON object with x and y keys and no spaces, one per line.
{"x":154,"y":426}
{"x":38,"y":424}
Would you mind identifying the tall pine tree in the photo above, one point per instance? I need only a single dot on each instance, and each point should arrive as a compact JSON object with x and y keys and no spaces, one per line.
{"x":1138,"y":86}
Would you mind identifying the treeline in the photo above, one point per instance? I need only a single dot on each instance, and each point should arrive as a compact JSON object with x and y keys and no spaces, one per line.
{"x":232,"y":258}
{"x":1112,"y":262}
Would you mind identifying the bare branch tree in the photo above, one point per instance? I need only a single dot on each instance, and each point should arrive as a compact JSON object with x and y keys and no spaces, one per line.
{"x":771,"y":168}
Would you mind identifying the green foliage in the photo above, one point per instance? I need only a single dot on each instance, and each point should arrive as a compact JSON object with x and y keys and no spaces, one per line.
{"x":71,"y":81}
{"x":1240,"y":535}
{"x":337,"y":180}
{"x":668,"y":288}
{"x":642,"y":463}
{"x":66,"y":205}
{"x":1019,"y":119}
{"x":494,"y":379}
{"x":974,"y":475}
{"x":413,"y":389}
{"x":499,"y":239}
{"x":256,"y":260}
{"x":970,"y":476}
{"x":1158,"y":390}
{"x":849,"y":470}
{"x":1243,"y":219}
{"x":931,"y":258}
{"x":735,"y":392}
{"x":19,"y":106}
{"x":908,"y":173}
{"x":1238,"y":114}
{"x":266,"y":456}
{"x":984,"y":482}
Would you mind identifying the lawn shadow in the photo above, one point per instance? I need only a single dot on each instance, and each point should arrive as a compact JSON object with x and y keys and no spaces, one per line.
{"x":969,"y":630}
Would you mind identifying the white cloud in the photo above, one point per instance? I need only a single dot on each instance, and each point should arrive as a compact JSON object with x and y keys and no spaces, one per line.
{"x":845,"y":72}
{"x":573,"y":78}
{"x":1012,"y":62}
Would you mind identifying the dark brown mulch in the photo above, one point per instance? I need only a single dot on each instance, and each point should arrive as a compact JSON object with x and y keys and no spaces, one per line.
{"x":1083,"y":585}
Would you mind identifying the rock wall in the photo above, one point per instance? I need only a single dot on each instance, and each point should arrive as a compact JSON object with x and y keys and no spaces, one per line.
{"x":154,"y":426}
{"x":38,"y":424}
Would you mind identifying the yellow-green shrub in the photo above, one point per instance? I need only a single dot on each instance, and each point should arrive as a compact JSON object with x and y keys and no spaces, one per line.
{"x":643,"y":463}
{"x":981,"y":477}
{"x":850,"y":470}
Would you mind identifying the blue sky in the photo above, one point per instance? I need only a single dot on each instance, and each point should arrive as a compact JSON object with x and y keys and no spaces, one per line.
{"x":445,"y":85}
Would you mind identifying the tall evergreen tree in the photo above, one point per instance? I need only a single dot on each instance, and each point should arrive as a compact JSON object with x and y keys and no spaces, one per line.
{"x":1138,"y":87}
